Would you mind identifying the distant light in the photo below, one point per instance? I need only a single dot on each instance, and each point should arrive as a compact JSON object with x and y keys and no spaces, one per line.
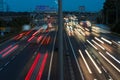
{"x":106,"y":40}
{"x":26,"y":27}
{"x":119,"y":42}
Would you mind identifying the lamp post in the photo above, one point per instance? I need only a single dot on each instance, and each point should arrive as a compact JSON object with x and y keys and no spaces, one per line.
{"x":60,"y":39}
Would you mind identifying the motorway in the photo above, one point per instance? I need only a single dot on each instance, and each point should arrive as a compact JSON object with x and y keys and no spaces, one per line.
{"x":33,"y":55}
{"x":29,"y":56}
{"x":96,"y":54}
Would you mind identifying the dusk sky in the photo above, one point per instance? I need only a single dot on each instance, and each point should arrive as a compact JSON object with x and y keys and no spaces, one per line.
{"x":68,"y":5}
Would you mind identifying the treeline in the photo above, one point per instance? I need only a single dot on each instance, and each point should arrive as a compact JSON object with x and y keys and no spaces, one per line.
{"x":15,"y":23}
{"x":111,"y":13}
{"x":14,"y":13}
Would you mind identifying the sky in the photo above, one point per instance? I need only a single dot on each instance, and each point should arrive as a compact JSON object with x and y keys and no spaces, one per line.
{"x":68,"y":5}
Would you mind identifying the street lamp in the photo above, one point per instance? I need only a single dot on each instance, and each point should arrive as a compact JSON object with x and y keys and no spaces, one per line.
{"x":60,"y":39}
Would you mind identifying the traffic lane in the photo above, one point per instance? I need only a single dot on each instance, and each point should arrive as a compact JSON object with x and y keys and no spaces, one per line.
{"x":110,"y":52}
{"x":15,"y":66}
{"x":113,"y":56}
{"x":47,"y":48}
{"x":107,"y":35}
{"x":68,"y":69}
{"x":74,"y":57}
{"x":102,"y":67}
{"x":8,"y":61}
{"x":13,"y":57}
{"x":114,"y":69}
{"x":50,"y":48}
{"x":108,"y":68}
{"x":84,"y":46}
{"x":10,"y":51}
{"x":95,"y":73}
{"x":113,"y":50}
{"x":84,"y":41}
{"x":111,"y":36}
{"x":42,"y":51}
{"x":3,"y":46}
{"x":73,"y":66}
{"x":30,"y":62}
{"x":11,"y":42}
{"x":54,"y":62}
{"x":6,"y":42}
{"x":20,"y":46}
{"x":108,"y":47}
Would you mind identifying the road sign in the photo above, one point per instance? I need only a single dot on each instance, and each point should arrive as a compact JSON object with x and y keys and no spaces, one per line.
{"x":44,"y":8}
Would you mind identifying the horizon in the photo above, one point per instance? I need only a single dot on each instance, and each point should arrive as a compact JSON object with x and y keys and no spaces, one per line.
{"x":25,"y":6}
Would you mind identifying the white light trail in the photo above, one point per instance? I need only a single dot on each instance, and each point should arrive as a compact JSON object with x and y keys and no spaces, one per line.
{"x":99,"y":40}
{"x":113,"y":57}
{"x":93,"y":62}
{"x":89,"y":70}
{"x":92,"y":44}
{"x":109,"y":42}
{"x":109,"y":62}
{"x":98,"y":45}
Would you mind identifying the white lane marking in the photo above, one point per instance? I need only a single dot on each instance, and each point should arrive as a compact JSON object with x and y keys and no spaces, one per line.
{"x":6,"y":63}
{"x":98,"y":44}
{"x":70,"y":68}
{"x":93,"y":62}
{"x":104,"y":69}
{"x":112,"y":57}
{"x":109,"y":42}
{"x":99,"y":40}
{"x":66,"y":44}
{"x":35,"y":53}
{"x":51,"y":59}
{"x":110,"y":78}
{"x":92,"y":45}
{"x":89,"y":70}
{"x":1,"y":69}
{"x":109,"y":62}
{"x":98,"y":61}
{"x":94,"y":56}
{"x":76,"y":59}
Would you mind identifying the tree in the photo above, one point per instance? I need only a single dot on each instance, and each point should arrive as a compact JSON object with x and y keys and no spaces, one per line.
{"x":109,"y":11}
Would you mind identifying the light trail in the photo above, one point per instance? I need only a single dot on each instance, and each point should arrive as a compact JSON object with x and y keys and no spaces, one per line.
{"x":9,"y":51}
{"x":98,"y":44}
{"x":93,"y":62}
{"x":109,"y":42}
{"x":33,"y":67}
{"x":109,"y":62}
{"x":99,"y":40}
{"x":92,"y":45}
{"x":42,"y":67}
{"x":89,"y":70}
